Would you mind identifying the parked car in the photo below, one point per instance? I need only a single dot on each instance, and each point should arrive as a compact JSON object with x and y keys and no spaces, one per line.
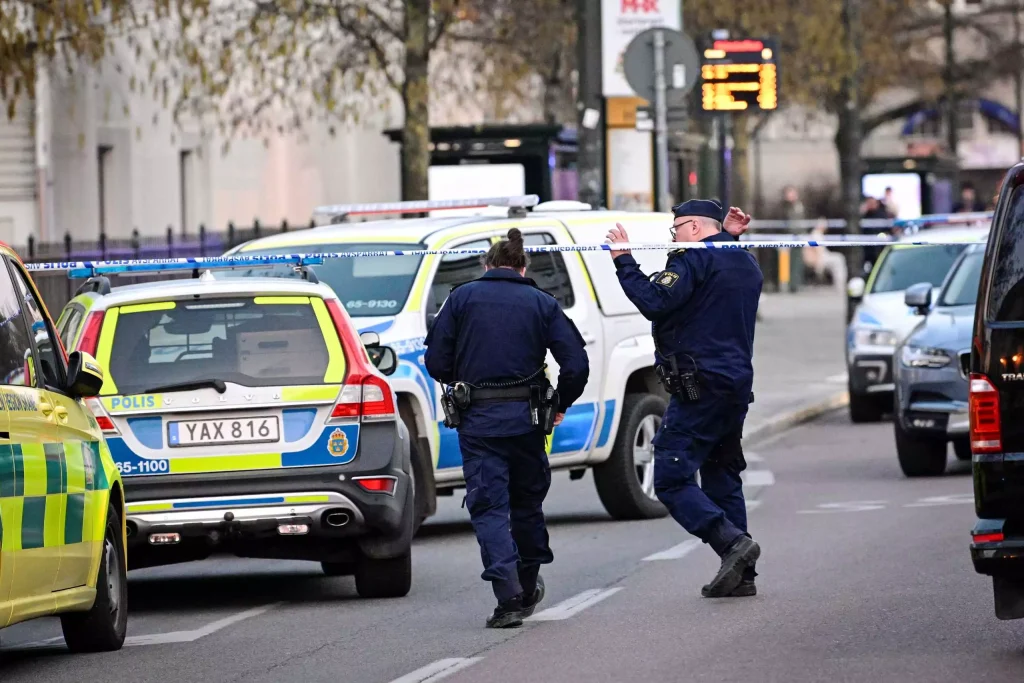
{"x":996,"y":404}
{"x":882,"y":319}
{"x":62,"y":533}
{"x":248,"y":416}
{"x":930,"y":370}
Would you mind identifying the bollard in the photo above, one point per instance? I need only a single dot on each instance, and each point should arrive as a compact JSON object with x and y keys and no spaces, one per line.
{"x":312,"y":223}
{"x":255,"y":227}
{"x":103,"y":246}
{"x":231,"y":234}
{"x":784,"y":284}
{"x":136,"y":242}
{"x":67,"y":244}
{"x":170,"y":242}
{"x":284,"y":225}
{"x":202,"y":239}
{"x":31,"y":246}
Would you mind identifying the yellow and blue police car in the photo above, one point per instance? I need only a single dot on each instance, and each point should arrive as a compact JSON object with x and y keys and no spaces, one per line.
{"x":62,"y":535}
{"x":248,"y":416}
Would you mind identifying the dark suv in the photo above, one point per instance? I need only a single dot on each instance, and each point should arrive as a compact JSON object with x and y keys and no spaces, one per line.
{"x":996,"y":404}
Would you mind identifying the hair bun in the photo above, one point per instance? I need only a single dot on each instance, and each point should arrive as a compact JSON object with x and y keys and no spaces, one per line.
{"x":514,"y":235}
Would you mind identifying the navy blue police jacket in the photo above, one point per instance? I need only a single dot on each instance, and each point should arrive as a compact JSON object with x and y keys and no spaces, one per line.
{"x":499,"y":329}
{"x":703,"y":306}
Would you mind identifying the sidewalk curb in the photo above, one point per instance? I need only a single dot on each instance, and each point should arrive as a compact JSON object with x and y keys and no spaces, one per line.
{"x":785,"y":421}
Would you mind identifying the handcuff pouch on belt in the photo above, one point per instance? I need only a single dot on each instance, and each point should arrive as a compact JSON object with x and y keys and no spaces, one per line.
{"x":543,"y":399}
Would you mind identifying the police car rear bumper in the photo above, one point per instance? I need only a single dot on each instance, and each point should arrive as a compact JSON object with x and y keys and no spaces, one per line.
{"x":302,"y":513}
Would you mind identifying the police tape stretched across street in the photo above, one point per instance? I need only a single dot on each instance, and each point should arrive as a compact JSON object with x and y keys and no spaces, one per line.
{"x":703,"y":308}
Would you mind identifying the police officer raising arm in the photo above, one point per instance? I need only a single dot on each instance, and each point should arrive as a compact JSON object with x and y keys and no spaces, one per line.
{"x":703,"y":307}
{"x":487,"y":348}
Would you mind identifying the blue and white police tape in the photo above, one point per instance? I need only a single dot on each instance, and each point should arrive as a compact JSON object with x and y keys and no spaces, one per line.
{"x":81,"y":269}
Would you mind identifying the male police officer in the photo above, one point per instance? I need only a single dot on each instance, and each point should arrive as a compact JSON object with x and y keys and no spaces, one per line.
{"x":703,"y":307}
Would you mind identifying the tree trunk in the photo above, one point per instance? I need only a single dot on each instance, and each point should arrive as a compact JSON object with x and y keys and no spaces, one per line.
{"x":848,"y":144}
{"x":415,"y":93}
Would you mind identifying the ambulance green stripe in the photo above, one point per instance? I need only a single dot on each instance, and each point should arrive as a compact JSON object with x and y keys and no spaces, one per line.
{"x":74,"y":518}
{"x":7,"y":482}
{"x":33,"y":518}
{"x":56,"y":468}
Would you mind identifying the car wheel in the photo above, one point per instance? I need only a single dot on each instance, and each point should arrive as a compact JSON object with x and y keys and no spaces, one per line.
{"x":625,"y":481}
{"x":389,"y":578}
{"x":103,"y":628}
{"x":864,"y":408}
{"x":962,"y":449}
{"x":919,"y":456}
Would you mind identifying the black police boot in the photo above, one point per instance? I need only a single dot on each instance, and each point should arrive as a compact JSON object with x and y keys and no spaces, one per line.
{"x":746,"y":589}
{"x":530,"y":603}
{"x":508,"y":614}
{"x":742,"y":553}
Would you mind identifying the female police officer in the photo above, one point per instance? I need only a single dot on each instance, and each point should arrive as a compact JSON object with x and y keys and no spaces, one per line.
{"x":489,"y":341}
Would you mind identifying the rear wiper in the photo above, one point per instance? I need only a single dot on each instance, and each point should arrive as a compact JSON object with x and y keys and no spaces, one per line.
{"x":217,"y":384}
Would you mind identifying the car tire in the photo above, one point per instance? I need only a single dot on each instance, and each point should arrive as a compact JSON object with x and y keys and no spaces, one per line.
{"x":919,"y":456}
{"x":962,"y":449}
{"x":617,"y":479}
{"x":419,"y":492}
{"x":388,"y":578}
{"x":103,"y":627}
{"x":864,"y":408}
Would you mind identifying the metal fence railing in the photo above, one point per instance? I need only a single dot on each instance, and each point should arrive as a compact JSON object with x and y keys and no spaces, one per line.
{"x":57,"y":289}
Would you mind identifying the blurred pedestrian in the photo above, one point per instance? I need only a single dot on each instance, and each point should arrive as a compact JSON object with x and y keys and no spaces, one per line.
{"x":969,"y":202}
{"x":793,"y":207}
{"x":892,"y":208}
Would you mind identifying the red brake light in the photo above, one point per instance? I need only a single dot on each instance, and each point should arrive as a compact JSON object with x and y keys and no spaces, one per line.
{"x":105,"y":423}
{"x":365,"y":396}
{"x":989,"y":538}
{"x":986,"y":430}
{"x":378,"y":484}
{"x":100,"y":413}
{"x":91,"y":333}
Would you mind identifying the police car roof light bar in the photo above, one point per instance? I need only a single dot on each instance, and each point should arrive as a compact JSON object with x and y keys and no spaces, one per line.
{"x":93,"y":269}
{"x":339,"y":212}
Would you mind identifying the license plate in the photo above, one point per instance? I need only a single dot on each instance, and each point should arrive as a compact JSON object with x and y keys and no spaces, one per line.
{"x":234,"y":430}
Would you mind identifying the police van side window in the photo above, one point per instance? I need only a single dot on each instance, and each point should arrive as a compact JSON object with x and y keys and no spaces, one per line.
{"x":15,"y":343}
{"x":1006,"y":293}
{"x":50,"y":358}
{"x":453,"y":270}
{"x":548,"y":270}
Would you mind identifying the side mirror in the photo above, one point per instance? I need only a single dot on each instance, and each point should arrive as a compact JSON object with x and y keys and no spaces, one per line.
{"x":370,"y":339}
{"x":384,"y":358}
{"x":855,"y":288}
{"x":85,"y":377}
{"x":919,"y":297}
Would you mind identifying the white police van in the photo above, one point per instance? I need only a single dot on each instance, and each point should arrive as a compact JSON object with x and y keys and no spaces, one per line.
{"x":610,"y":428}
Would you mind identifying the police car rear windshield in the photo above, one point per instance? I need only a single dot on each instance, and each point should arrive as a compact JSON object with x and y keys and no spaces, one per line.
{"x":367,"y":286}
{"x":247,"y":341}
{"x":902,"y":268}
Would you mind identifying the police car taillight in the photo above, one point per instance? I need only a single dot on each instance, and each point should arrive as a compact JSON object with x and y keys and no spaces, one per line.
{"x":91,"y":333}
{"x":986,"y":429}
{"x":365,"y":397}
{"x":100,"y":413}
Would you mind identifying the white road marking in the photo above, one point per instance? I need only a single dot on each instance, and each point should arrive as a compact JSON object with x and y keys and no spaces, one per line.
{"x":574,"y":605}
{"x":167,"y":638}
{"x":675,"y":552}
{"x":753,"y":457}
{"x":953,"y":499}
{"x":753,"y":505}
{"x":196,"y":634}
{"x":837,"y":379}
{"x":438,"y":670}
{"x":852,"y":506}
{"x":758,"y":478}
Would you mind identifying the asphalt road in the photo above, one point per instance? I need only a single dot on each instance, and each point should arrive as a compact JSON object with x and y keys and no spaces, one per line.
{"x":865,"y":576}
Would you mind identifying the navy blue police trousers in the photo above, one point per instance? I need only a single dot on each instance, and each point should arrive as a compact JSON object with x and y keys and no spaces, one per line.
{"x":703,"y":437}
{"x":507,"y":479}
